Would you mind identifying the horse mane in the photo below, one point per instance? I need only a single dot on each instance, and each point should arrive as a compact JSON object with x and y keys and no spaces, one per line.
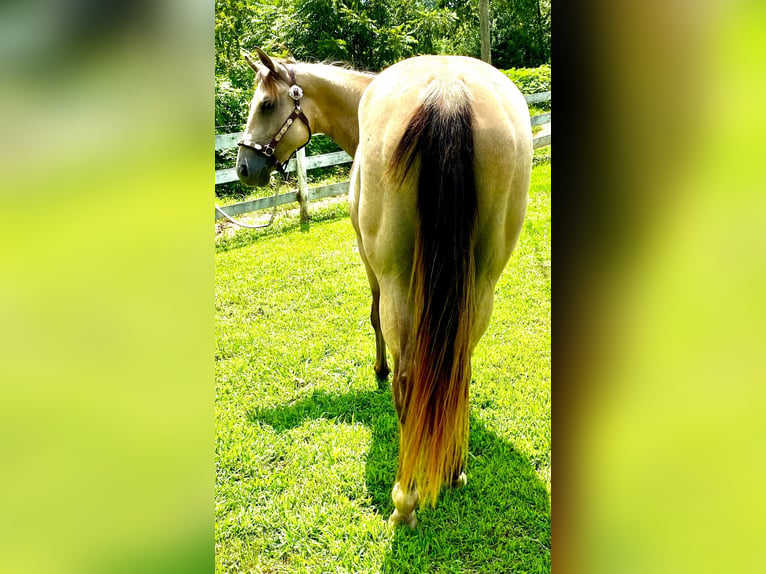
{"x":271,"y":81}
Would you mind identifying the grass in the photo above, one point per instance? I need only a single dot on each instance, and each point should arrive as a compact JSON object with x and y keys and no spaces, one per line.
{"x":306,"y":441}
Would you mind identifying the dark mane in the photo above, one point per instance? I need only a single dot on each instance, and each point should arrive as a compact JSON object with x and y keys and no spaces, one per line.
{"x":346,"y":66}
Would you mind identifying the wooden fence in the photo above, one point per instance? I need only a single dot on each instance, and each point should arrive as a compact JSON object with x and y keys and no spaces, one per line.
{"x":301,"y":164}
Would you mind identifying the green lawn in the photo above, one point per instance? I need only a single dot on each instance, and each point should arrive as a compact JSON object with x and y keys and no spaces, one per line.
{"x":306,"y":441}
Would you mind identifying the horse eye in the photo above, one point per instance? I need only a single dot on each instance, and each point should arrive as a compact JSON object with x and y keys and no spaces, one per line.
{"x":266,"y":106}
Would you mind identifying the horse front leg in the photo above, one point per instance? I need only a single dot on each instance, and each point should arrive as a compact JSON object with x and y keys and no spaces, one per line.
{"x":381,"y":364}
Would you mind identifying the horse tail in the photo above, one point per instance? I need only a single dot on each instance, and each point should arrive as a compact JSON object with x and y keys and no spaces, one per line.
{"x":434,"y":412}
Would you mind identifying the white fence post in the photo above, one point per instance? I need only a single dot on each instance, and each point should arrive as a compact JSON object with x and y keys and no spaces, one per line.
{"x":303,"y":186}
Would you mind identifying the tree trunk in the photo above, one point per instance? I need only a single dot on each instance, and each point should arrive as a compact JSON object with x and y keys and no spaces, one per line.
{"x":484,"y":25}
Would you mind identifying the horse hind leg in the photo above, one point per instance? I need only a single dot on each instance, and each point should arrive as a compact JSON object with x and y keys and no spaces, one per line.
{"x":381,"y":364}
{"x":404,"y":501}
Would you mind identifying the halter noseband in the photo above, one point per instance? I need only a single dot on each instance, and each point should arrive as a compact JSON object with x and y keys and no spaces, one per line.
{"x":296,"y":93}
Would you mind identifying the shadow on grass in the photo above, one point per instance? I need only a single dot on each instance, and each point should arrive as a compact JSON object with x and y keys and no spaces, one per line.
{"x":499,"y":522}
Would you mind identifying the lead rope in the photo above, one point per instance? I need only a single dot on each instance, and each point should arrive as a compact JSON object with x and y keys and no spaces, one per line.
{"x":273,"y":208}
{"x":271,"y":219}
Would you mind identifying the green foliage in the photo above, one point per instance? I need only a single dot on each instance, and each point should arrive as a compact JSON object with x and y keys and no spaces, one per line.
{"x":238,"y":24}
{"x":532,"y":81}
{"x":369,"y":34}
{"x":373,"y":34}
{"x":521,"y":33}
{"x":231,"y":106}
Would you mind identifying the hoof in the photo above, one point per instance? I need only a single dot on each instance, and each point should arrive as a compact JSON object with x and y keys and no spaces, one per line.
{"x":460,"y":481}
{"x":405,"y":503}
{"x":382,"y":372}
{"x":398,"y":518}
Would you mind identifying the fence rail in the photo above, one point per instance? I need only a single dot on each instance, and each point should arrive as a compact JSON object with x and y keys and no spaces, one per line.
{"x":301,"y":164}
{"x":312,"y":162}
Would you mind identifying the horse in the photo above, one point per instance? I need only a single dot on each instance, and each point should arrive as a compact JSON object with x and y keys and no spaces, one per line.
{"x":442,"y":149}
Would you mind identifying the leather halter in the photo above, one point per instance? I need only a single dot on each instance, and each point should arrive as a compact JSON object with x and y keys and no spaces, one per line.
{"x":296,"y":93}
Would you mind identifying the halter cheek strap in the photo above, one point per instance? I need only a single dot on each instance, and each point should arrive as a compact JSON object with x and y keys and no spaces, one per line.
{"x":296,"y":93}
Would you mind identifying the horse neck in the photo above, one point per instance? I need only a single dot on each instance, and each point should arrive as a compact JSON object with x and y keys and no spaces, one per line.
{"x":332,"y":101}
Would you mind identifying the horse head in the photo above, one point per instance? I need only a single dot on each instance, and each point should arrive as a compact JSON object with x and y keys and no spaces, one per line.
{"x":276,"y":125}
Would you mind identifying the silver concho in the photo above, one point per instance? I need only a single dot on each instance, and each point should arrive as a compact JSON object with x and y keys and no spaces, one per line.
{"x":295,"y":92}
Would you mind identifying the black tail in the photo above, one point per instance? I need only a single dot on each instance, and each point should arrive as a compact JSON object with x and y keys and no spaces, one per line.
{"x":434,"y":433}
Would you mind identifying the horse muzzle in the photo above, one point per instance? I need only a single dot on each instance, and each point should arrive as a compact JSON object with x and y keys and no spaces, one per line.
{"x":254,"y":169}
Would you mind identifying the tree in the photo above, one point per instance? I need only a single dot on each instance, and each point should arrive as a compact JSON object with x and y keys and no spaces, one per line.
{"x":486,"y":53}
{"x":521,"y":33}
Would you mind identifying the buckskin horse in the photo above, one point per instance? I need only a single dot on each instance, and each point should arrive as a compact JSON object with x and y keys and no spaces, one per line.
{"x":442,"y":150}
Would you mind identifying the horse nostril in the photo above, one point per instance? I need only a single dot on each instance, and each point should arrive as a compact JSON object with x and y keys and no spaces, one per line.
{"x":242,"y":169}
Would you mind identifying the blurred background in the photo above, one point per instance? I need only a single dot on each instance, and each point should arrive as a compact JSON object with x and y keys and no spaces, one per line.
{"x":106,"y":286}
{"x":659,"y":282}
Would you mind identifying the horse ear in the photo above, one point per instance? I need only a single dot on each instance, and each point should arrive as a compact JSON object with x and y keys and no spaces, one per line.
{"x":265,"y":60}
{"x":274,"y":67}
{"x":250,"y":63}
